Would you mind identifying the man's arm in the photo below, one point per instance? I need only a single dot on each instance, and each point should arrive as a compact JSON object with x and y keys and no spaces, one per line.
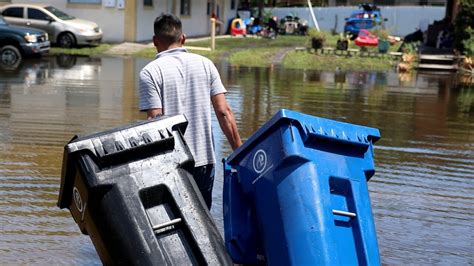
{"x":152,"y":113}
{"x":150,"y":94}
{"x":226,"y":120}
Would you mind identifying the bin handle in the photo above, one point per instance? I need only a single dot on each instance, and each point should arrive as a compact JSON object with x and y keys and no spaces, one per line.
{"x":344,"y":213}
{"x":166,"y":224}
{"x":141,"y":151}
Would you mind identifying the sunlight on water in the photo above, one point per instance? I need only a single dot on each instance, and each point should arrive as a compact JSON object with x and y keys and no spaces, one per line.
{"x":421,"y":194}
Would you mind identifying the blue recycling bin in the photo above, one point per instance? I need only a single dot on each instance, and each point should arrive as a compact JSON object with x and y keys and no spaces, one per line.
{"x":295,"y":193}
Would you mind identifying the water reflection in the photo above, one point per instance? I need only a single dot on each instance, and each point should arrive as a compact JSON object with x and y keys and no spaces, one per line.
{"x":9,"y":61}
{"x":44,"y":102}
{"x":421,"y":193}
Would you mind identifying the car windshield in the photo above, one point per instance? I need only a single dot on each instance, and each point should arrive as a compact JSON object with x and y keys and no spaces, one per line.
{"x":3,"y":22}
{"x":58,"y":13}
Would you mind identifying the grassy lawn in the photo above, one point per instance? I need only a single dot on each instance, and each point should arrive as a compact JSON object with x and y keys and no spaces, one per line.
{"x":237,"y":43}
{"x":260,"y":52}
{"x":239,"y":49}
{"x":86,"y":50}
{"x":213,"y":55}
{"x":305,"y":60}
{"x":256,"y":57}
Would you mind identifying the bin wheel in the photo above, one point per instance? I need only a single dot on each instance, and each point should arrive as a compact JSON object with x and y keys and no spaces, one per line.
{"x":9,"y":55}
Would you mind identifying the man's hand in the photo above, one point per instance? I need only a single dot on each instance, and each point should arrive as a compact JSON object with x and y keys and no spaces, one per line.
{"x":152,"y":113}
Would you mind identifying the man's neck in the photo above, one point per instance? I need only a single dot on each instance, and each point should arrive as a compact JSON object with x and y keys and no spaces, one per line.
{"x":172,"y":46}
{"x":175,"y":45}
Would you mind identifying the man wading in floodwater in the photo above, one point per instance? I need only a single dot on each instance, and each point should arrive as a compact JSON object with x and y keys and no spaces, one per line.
{"x":179,"y":82}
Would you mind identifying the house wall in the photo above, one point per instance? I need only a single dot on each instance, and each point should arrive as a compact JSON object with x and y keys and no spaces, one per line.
{"x":228,"y":14}
{"x":197,"y":24}
{"x":133,"y":21}
{"x":146,"y":16}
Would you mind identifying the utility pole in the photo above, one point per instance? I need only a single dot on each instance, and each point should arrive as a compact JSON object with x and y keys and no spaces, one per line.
{"x":213,"y":34}
{"x":315,"y":21}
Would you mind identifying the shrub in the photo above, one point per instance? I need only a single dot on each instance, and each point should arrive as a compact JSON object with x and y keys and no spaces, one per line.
{"x":468,"y":44}
{"x":320,"y":35}
{"x":464,"y":20}
{"x":381,"y":33}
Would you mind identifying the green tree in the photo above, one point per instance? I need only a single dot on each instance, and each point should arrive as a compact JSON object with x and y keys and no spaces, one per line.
{"x":463,"y":21}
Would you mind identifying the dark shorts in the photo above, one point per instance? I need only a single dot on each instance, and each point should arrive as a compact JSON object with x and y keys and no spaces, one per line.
{"x":204,"y":177}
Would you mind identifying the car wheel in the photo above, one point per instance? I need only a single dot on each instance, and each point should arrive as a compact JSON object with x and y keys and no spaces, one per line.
{"x":9,"y":55}
{"x":66,"y":40}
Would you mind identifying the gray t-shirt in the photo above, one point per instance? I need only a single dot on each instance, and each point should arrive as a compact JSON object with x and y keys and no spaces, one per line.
{"x":183,"y":83}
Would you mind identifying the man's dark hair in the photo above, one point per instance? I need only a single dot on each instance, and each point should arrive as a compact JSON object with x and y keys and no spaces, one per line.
{"x":167,"y":28}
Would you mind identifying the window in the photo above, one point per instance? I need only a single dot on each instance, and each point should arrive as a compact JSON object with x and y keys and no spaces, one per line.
{"x":210,"y":8}
{"x":147,"y":2}
{"x":232,"y":4}
{"x":16,"y":12}
{"x":58,"y":13}
{"x":185,"y":7}
{"x":37,"y":14}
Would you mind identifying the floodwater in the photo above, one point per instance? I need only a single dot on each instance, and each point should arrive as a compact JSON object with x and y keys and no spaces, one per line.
{"x":422,"y":193}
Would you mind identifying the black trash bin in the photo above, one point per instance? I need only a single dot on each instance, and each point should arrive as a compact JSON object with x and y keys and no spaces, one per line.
{"x":131,"y":191}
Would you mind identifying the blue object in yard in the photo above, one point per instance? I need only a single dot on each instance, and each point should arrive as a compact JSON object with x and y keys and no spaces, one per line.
{"x":353,"y":26}
{"x":383,"y":46}
{"x":254,"y":29}
{"x":366,"y":17}
{"x":295,"y":193}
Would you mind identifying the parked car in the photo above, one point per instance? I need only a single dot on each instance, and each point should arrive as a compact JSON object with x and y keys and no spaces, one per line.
{"x":16,"y":42}
{"x":64,"y":30}
{"x":366,"y":17}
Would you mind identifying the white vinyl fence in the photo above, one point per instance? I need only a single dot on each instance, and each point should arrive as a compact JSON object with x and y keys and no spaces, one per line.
{"x":402,"y":20}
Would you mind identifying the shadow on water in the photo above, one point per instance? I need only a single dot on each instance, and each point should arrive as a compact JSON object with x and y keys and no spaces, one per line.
{"x":421,"y":193}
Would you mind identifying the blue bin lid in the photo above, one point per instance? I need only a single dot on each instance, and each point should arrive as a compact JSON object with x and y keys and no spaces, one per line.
{"x":311,"y":126}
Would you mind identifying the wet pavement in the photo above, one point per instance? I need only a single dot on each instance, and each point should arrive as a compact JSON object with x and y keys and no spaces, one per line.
{"x":421,"y":194}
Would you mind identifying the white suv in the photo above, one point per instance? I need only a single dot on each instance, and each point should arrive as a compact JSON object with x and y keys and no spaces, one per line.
{"x":63,"y":29}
